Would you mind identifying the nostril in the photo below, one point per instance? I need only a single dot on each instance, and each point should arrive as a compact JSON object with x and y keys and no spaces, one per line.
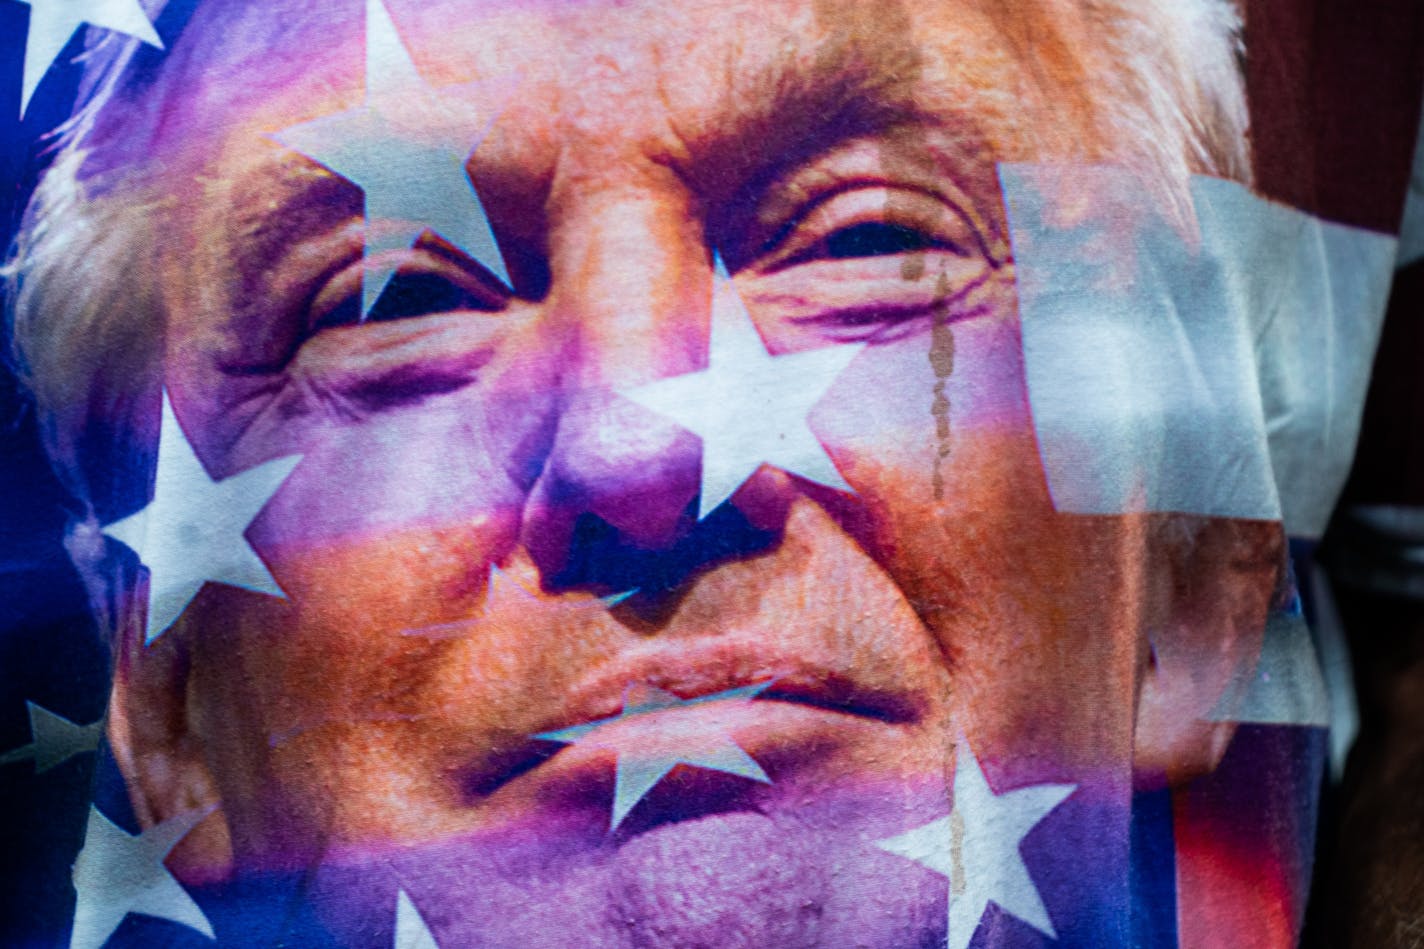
{"x":602,"y":559}
{"x":612,"y":499}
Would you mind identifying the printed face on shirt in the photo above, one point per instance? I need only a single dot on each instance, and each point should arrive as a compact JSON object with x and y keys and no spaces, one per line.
{"x":742,"y":420}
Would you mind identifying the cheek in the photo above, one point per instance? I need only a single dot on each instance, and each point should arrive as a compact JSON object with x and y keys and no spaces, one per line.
{"x":934,"y":433}
{"x":1032,"y":609}
{"x":342,"y":707}
{"x":454,"y":467}
{"x":337,"y":649}
{"x":936,"y":426}
{"x":385,"y":527}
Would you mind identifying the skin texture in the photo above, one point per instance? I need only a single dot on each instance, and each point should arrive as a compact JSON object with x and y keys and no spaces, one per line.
{"x":943,"y":600}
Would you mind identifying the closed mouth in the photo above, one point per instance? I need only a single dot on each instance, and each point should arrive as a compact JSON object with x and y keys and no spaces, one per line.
{"x":704,"y":676}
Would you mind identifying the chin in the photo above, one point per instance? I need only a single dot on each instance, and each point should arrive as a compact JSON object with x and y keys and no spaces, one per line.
{"x":780,"y":868}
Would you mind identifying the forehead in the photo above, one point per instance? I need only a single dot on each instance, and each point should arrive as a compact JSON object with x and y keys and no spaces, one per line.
{"x":609,"y":70}
{"x":571,"y":40}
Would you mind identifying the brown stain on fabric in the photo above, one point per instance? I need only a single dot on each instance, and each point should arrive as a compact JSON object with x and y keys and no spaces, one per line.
{"x":942,"y":362}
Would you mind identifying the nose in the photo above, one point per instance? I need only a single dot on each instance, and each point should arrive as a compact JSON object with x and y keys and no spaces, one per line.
{"x":615,"y":507}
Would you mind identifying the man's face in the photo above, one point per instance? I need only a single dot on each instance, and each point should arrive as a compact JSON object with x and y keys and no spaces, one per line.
{"x":841,"y":159}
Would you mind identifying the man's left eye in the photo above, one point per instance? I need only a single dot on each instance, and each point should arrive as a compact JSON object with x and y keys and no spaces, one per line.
{"x":871,"y":221}
{"x":863,"y":262}
{"x":876,"y":239}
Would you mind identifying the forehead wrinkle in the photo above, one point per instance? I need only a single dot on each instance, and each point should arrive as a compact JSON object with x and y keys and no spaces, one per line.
{"x":774,"y":113}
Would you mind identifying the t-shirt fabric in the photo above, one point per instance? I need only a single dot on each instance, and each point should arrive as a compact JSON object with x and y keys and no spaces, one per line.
{"x":819,"y":474}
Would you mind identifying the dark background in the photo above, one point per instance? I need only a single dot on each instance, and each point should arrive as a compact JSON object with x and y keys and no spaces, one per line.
{"x":49,"y":653}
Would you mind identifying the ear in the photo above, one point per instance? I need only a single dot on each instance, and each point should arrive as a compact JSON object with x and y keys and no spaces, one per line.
{"x":1208,"y":619}
{"x":1174,"y":742}
{"x":161,"y":757}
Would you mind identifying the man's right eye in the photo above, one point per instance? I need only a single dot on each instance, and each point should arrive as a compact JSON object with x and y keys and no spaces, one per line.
{"x":425,"y":291}
{"x":420,"y":294}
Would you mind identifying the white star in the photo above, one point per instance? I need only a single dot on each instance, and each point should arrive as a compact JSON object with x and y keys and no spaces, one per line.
{"x":54,"y":740}
{"x":411,"y":931}
{"x":977,"y":848}
{"x":506,"y":600}
{"x":748,"y":406}
{"x":647,"y":755}
{"x":117,"y":873}
{"x":192,"y":531}
{"x":1285,"y":687}
{"x":53,"y":22}
{"x":406,"y":147}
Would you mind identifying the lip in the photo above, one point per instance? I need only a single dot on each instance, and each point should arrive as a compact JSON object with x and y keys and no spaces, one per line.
{"x":817,"y":692}
{"x":696,"y":673}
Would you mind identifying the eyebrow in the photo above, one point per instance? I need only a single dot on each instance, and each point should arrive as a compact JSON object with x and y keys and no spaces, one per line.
{"x":805,"y":110}
{"x":784,"y":113}
{"x":284,"y":199}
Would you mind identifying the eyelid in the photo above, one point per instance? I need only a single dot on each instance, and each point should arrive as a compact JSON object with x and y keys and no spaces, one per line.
{"x":946,"y":228}
{"x":425,"y":258}
{"x":857,"y":203}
